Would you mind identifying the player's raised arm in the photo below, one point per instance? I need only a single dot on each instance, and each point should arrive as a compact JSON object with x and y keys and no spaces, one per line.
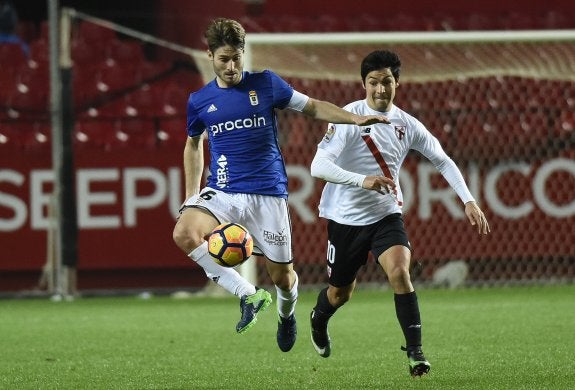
{"x":322,"y":110}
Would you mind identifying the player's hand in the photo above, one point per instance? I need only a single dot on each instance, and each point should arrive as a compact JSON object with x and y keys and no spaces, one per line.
{"x":381,"y":184}
{"x":477,"y":218}
{"x":371,"y":120}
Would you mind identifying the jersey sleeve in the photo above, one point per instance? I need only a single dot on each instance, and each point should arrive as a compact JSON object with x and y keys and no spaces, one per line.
{"x":194,"y":124}
{"x":324,"y":167}
{"x":334,"y":139}
{"x":282,"y":91}
{"x":298,"y":101}
{"x":425,"y":143}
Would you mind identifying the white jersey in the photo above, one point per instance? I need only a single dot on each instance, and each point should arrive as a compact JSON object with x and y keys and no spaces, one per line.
{"x":375,"y":150}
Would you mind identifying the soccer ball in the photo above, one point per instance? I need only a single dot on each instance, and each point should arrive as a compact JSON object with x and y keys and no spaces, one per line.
{"x":230,"y":244}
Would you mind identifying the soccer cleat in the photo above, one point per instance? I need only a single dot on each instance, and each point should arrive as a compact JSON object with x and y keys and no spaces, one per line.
{"x":250,"y":306}
{"x":287,"y":332}
{"x":320,"y":336}
{"x":418,"y":364}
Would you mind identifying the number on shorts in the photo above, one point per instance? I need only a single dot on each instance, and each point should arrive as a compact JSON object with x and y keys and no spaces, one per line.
{"x":207,"y":195}
{"x":330,"y":252}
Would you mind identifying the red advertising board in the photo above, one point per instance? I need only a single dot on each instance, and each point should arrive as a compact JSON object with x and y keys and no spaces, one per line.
{"x":128,"y":200}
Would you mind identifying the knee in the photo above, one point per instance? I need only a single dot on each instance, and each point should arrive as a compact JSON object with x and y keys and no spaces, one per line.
{"x":283,"y":278}
{"x":185,"y":239}
{"x":339,"y":297}
{"x":399,"y":278}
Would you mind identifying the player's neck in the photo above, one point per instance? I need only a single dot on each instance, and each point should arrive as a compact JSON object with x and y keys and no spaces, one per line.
{"x":223,"y":84}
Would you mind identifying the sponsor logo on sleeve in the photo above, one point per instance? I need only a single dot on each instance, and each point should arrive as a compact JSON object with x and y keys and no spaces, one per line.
{"x":329,"y":133}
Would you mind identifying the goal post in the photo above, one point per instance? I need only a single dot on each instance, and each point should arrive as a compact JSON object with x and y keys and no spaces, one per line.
{"x":500,"y":102}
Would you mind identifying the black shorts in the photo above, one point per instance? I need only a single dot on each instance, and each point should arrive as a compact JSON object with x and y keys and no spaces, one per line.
{"x":348,"y":246}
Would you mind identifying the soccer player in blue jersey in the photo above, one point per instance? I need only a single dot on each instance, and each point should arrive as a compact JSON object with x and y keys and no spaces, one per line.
{"x":247,"y":182}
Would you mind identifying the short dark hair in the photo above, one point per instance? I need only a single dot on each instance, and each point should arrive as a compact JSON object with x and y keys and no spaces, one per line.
{"x":222,"y":32}
{"x":381,"y":59}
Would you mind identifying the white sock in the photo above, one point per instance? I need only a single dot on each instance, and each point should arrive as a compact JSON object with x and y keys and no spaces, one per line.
{"x":286,"y":300}
{"x":228,"y":278}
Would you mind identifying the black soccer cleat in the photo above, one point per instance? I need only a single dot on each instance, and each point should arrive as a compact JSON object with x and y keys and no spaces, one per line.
{"x":320,"y":336}
{"x":287,"y":332}
{"x":418,"y":364}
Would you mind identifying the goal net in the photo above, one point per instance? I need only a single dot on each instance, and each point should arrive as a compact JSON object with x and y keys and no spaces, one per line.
{"x":502,"y":105}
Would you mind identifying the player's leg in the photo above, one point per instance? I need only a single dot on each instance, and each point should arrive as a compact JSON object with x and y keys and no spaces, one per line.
{"x":285,"y":280}
{"x":328,"y":301}
{"x":348,"y":248}
{"x":252,"y":305}
{"x":193,"y":225}
{"x":189,"y":235}
{"x":269,"y":223}
{"x":395,"y":261}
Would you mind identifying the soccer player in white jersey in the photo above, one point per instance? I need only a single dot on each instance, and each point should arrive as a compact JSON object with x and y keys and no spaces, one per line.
{"x":248,"y":181}
{"x":362,"y":202}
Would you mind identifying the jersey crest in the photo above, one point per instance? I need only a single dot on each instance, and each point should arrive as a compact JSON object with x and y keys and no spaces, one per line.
{"x":254,"y":98}
{"x":399,"y":132}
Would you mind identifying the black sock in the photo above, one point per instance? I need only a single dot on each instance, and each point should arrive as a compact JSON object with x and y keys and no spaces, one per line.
{"x":407,"y":311}
{"x":323,"y":310}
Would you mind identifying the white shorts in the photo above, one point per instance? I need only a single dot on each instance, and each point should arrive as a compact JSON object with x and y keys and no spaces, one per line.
{"x":266,"y":218}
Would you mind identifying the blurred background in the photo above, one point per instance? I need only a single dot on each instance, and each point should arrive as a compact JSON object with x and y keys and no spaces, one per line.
{"x":504,"y":111}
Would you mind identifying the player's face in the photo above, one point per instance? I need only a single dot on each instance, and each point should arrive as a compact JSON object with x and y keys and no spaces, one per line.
{"x":380,"y":89}
{"x":228,"y":63}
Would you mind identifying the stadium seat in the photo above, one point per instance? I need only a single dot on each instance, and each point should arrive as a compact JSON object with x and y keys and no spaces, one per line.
{"x":94,"y":34}
{"x":34,"y":80}
{"x":85,"y":53}
{"x":401,"y":22}
{"x":28,"y":93}
{"x":26,"y":30}
{"x":8,"y":81}
{"x":25,"y":135}
{"x":146,"y":101}
{"x":501,"y":134}
{"x":135,"y":133}
{"x":12,"y":56}
{"x":94,"y":134}
{"x":147,"y":71}
{"x":125,"y":51}
{"x":40,"y":51}
{"x":114,"y":78}
{"x":555,"y":20}
{"x":477,"y":21}
{"x":172,"y":133}
{"x":174,"y":98}
{"x":113,"y":109}
{"x":518,"y":21}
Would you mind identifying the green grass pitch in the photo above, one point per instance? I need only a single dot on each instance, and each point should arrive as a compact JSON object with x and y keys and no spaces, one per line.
{"x":484,"y":338}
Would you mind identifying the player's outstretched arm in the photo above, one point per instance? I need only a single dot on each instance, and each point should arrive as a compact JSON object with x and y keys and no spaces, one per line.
{"x":322,"y":110}
{"x":477,"y":218}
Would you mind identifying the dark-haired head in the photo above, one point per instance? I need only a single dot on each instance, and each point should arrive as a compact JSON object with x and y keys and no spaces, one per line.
{"x":381,"y":59}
